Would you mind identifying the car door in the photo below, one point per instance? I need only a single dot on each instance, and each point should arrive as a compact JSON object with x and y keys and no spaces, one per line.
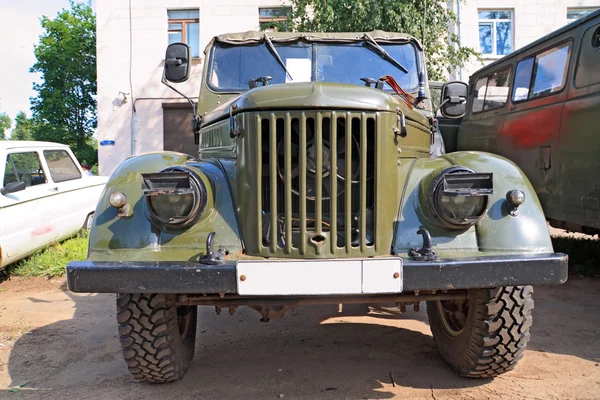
{"x":73,"y":200}
{"x":25,"y":214}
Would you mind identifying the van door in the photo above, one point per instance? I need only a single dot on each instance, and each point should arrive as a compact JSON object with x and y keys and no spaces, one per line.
{"x":25,"y":213}
{"x":579,"y":139}
{"x":529,"y":136}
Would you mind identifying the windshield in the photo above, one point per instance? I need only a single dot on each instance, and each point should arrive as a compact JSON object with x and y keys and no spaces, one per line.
{"x":231,"y":67}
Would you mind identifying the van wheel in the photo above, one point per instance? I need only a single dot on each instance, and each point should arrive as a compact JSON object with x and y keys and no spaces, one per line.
{"x":485,"y":335}
{"x":157,"y":337}
{"x":89,"y":220}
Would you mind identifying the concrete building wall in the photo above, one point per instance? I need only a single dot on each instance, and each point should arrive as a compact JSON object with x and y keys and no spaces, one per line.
{"x":130,"y":53}
{"x":532,"y":19}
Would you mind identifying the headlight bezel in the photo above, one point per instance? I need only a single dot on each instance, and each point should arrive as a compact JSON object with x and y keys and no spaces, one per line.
{"x":153,"y":192}
{"x":439,"y":189}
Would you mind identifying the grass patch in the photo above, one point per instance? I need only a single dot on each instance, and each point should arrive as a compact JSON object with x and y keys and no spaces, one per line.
{"x":51,"y":261}
{"x":584,"y":254}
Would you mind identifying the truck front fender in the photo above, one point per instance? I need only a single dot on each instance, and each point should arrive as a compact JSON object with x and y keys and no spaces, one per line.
{"x":134,"y":237}
{"x":496,"y":232}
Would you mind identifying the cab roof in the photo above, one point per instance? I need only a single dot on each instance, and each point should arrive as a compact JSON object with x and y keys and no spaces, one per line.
{"x":252,"y":37}
{"x":12,"y":144}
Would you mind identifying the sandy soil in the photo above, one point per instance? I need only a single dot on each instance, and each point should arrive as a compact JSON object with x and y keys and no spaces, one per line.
{"x":65,"y":346}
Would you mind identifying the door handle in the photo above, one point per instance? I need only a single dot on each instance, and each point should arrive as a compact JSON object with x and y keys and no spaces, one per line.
{"x":54,"y":189}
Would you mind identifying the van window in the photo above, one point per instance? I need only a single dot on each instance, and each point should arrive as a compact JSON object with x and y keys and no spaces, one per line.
{"x":523,"y":79}
{"x":61,"y":166}
{"x":497,"y":90}
{"x":24,"y":167}
{"x":479,"y":96}
{"x":491,"y":92}
{"x":549,"y":71}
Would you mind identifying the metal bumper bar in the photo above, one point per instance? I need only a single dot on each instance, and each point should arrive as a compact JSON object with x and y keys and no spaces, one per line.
{"x":191,"y":277}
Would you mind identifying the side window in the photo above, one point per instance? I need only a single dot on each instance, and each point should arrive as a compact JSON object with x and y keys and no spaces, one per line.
{"x":550,"y":71}
{"x":496,"y":94}
{"x":491,"y":91}
{"x":479,"y":96}
{"x":62,"y":168}
{"x":588,"y":67}
{"x":24,"y":167}
{"x":523,"y":79}
{"x":542,"y":75}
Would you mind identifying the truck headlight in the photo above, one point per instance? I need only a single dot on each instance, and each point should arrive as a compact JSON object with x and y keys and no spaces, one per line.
{"x":459,"y":196}
{"x":175,"y":197}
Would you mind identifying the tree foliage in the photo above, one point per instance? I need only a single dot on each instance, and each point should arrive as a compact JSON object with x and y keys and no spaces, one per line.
{"x":427,"y":20}
{"x":5,"y":123}
{"x":65,"y":108}
{"x":23,"y":127}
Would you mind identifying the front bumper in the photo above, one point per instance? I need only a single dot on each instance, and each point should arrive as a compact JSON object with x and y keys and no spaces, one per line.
{"x":192,"y":277}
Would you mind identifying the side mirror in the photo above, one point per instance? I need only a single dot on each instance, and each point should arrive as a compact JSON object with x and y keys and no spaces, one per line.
{"x":13,"y":187}
{"x":177,"y":62}
{"x":454,"y":99}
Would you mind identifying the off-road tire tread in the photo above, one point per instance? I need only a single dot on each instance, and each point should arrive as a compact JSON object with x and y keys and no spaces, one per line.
{"x":498,"y":330}
{"x":149,"y":336}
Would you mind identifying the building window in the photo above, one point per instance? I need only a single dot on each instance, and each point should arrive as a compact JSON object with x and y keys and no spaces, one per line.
{"x":184,"y":27}
{"x":495,"y":32}
{"x":576,"y":13}
{"x":273,"y":19}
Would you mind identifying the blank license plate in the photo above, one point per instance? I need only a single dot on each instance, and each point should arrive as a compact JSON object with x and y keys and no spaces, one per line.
{"x":319,"y":277}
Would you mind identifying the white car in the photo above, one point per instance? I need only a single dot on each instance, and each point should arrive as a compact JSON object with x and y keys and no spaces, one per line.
{"x":45,"y":197}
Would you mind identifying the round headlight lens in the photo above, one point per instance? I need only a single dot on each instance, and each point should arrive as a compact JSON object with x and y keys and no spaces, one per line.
{"x":175,"y":197}
{"x":460,"y":210}
{"x":172,"y":207}
{"x":456,"y":209}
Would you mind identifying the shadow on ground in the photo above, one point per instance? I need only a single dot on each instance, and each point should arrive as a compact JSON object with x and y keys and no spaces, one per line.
{"x":313,"y":352}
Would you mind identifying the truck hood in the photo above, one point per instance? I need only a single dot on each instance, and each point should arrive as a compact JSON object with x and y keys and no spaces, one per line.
{"x":313,"y":95}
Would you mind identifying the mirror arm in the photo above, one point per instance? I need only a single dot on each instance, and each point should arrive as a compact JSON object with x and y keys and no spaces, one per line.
{"x":440,"y":106}
{"x":195,"y":122}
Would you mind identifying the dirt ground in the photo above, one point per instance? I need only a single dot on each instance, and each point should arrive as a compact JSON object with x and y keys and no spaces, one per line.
{"x":65,"y":346}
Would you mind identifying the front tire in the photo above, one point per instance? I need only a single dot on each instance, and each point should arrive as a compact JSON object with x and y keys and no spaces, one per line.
{"x":485,"y":335}
{"x":157,"y":337}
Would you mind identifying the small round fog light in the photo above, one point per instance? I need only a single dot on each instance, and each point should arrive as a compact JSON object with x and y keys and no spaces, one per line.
{"x":117,"y":199}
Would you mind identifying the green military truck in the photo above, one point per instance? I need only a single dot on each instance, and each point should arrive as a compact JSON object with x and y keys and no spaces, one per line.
{"x":315,"y":184}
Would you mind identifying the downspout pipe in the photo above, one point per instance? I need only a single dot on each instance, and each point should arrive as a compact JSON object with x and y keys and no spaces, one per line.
{"x":460,"y":70}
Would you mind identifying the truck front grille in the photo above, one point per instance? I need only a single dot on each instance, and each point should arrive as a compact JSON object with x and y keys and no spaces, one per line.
{"x":317,"y":178}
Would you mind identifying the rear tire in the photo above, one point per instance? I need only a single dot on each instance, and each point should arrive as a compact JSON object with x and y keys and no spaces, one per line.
{"x":157,"y":337}
{"x":485,"y":335}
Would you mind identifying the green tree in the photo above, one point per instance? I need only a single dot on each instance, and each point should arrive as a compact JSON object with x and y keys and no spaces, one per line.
{"x":65,"y":108}
{"x":23,"y":127}
{"x":427,"y":20}
{"x":5,"y":123}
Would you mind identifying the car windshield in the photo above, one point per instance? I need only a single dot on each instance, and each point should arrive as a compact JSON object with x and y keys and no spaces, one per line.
{"x":231,"y":67}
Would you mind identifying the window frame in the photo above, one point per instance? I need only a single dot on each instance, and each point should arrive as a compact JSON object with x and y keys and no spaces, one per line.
{"x":15,"y":170}
{"x":184,"y":22}
{"x":493,"y":23}
{"x":75,"y":164}
{"x":276,"y":20}
{"x":568,"y":42}
{"x":489,"y":76}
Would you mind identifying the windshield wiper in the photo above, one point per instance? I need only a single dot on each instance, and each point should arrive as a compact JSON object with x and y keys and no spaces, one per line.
{"x":369,"y":41}
{"x":273,"y":51}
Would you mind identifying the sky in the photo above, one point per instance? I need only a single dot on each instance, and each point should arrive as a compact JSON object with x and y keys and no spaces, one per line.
{"x":19,"y":32}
